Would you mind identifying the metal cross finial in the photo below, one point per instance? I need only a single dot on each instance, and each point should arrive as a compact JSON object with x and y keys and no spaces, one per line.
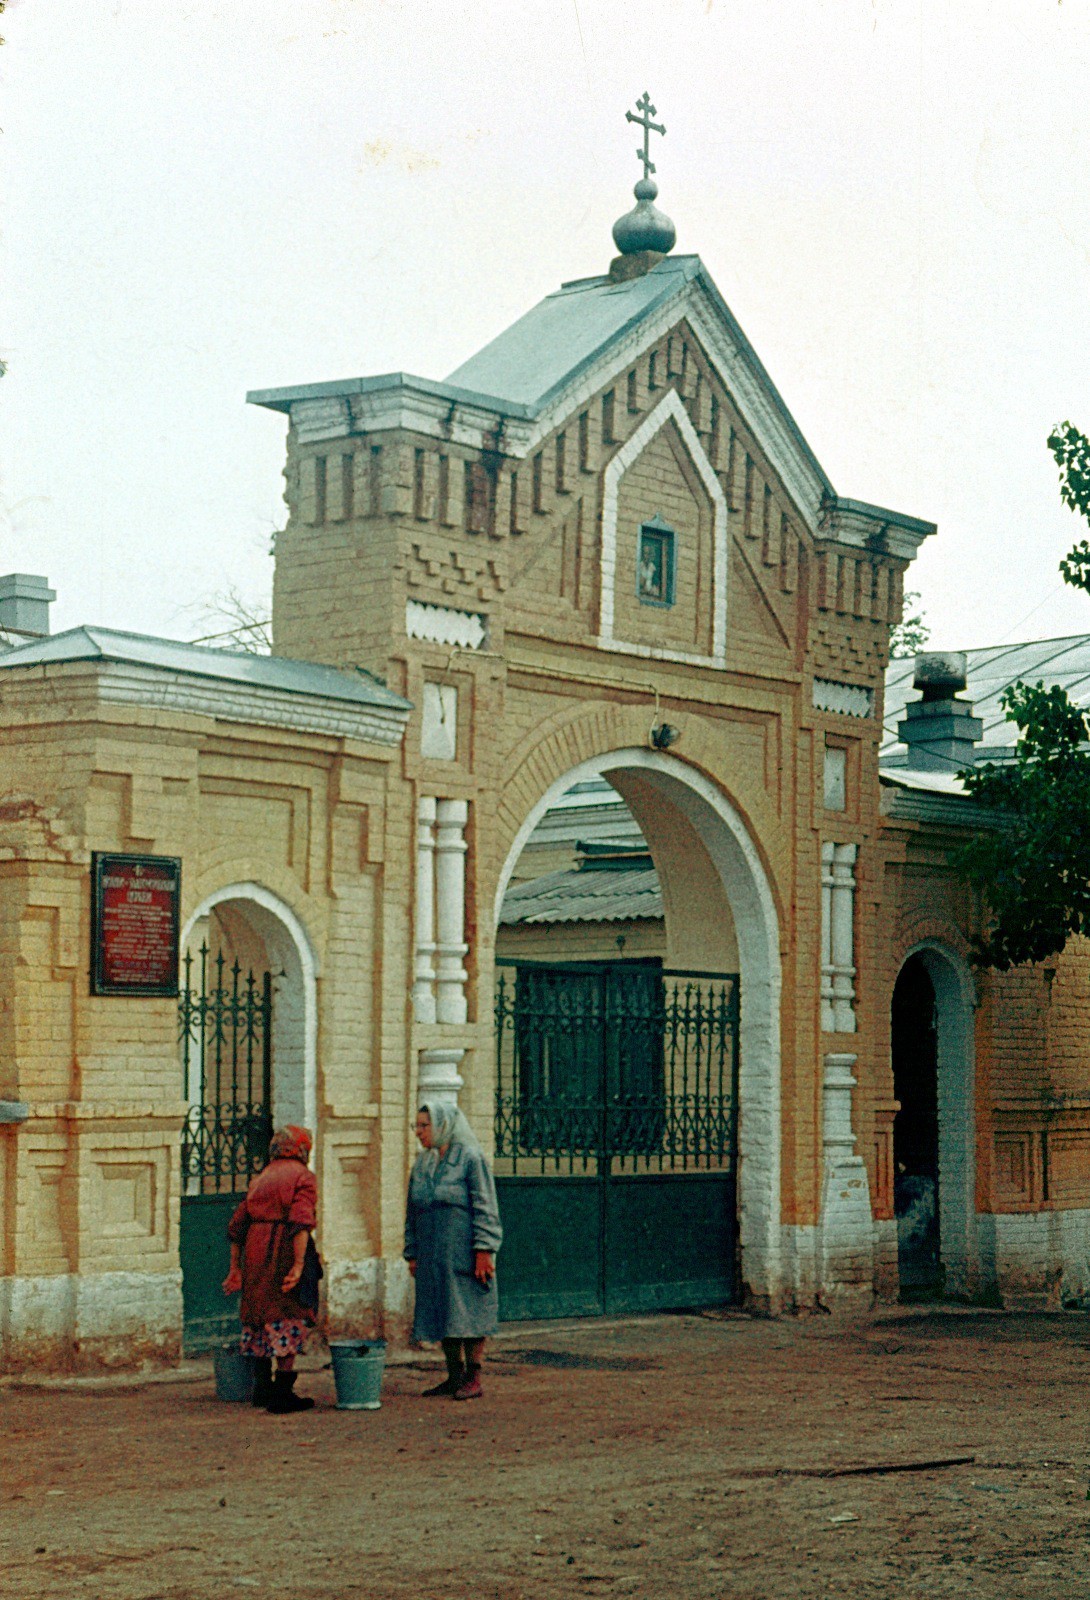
{"x":648,"y":127}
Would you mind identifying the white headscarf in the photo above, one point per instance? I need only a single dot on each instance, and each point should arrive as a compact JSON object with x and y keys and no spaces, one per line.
{"x":449,"y":1126}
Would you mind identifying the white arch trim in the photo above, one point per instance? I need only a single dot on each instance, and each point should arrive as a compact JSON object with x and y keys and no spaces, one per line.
{"x":727,"y":841}
{"x":308,"y":963}
{"x":669,"y":409}
{"x":955,"y":1002}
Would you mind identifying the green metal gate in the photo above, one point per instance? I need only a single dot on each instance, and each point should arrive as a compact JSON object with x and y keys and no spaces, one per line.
{"x":616,"y":1137}
{"x":225,"y":1027}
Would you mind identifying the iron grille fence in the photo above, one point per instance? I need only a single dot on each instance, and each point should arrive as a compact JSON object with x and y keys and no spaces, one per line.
{"x":225,"y":1028}
{"x":622,"y":1067}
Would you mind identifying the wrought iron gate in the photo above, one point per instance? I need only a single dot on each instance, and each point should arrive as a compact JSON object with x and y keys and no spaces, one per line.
{"x":225,"y":1028}
{"x":616,"y":1136}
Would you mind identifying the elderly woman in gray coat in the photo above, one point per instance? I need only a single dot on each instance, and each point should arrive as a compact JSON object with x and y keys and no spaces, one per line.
{"x":452,"y":1233}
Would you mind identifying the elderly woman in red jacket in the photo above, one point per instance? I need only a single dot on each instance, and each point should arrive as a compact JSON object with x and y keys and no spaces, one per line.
{"x":269,"y":1233}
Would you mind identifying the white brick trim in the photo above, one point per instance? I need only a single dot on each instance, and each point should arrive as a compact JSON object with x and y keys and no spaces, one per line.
{"x":843,"y":699}
{"x":444,"y":625}
{"x":108,"y":1317}
{"x":724,"y":835}
{"x":954,"y":1006}
{"x":669,"y":409}
{"x":838,"y":937}
{"x":1043,"y":1256}
{"x":280,"y":926}
{"x":847,"y":1227}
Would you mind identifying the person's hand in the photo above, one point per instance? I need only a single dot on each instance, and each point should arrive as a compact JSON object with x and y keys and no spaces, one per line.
{"x":484,"y":1267}
{"x":412,"y":1269}
{"x":295,"y":1272}
{"x":233,"y":1281}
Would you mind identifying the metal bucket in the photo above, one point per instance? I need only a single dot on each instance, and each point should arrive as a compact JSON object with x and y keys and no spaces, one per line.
{"x":234,"y":1374}
{"x":357,"y":1373}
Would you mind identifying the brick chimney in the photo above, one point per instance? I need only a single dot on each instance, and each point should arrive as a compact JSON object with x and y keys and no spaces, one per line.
{"x":939,"y":729}
{"x":24,"y":605}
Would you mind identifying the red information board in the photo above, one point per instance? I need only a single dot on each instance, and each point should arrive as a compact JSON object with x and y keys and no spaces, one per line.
{"x":135,"y":903}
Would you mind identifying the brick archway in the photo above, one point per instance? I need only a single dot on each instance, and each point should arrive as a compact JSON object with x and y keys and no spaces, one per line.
{"x":954,"y":989}
{"x":703,"y":808}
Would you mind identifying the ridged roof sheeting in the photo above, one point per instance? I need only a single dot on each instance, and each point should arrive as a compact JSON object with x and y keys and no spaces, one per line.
{"x":621,"y":894}
{"x":989,"y":671}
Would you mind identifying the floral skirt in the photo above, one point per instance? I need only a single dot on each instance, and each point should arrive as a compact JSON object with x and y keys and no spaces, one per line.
{"x":285,"y":1337}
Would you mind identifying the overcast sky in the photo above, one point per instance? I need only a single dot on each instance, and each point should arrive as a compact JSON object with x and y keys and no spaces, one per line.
{"x":201,"y":198}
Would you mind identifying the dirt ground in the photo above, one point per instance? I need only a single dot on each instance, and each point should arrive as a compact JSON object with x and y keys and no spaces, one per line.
{"x":684,"y":1457}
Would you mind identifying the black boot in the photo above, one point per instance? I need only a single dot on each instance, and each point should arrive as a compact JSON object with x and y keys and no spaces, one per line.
{"x":262,"y":1381}
{"x":282,"y":1400}
{"x":452,"y":1354}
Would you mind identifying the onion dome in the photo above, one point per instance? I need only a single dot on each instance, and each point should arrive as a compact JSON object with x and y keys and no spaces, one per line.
{"x":645,"y":227}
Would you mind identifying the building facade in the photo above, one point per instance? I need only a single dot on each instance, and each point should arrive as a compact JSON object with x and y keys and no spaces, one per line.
{"x":600,"y":550}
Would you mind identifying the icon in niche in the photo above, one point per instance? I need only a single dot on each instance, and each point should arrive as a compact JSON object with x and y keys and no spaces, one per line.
{"x":654,"y":567}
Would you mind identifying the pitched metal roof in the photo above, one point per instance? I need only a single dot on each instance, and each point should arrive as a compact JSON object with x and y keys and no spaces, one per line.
{"x":567,"y":331}
{"x":524,"y":367}
{"x":621,"y":894}
{"x":533,"y":364}
{"x":990,"y":670}
{"x":230,"y":666}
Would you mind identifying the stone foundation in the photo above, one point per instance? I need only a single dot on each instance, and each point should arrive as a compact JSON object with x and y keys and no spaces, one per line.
{"x":106,"y":1319}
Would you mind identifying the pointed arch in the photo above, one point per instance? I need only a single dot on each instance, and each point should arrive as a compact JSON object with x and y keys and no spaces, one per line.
{"x":669,"y":409}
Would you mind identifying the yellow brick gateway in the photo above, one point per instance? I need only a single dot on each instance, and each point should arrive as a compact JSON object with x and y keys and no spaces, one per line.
{"x":600,"y":550}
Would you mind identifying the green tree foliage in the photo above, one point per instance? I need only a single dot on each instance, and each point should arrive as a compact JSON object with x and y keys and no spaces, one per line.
{"x":1033,"y":866}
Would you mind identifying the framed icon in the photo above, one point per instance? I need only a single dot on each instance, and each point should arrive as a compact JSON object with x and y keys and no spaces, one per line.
{"x":655,"y":555}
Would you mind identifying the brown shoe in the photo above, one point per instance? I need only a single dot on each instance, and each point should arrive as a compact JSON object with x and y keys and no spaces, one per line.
{"x":470,"y":1387}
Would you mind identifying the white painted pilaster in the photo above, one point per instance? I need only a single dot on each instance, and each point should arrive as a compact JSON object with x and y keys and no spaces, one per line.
{"x":450,"y":910}
{"x":424,"y":970}
{"x":847,"y":1226}
{"x":827,"y":1023}
{"x":439,"y":1077}
{"x":838,"y":938}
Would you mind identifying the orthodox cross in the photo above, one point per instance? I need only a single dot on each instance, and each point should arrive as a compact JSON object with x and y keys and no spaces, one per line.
{"x":648,"y":127}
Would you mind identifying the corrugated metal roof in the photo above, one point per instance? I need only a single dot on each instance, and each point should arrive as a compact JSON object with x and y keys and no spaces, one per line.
{"x":990,"y":670}
{"x":618,"y":895}
{"x":234,"y":666}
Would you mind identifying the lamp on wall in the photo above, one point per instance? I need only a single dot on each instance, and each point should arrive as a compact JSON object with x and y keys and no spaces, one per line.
{"x":663,"y":735}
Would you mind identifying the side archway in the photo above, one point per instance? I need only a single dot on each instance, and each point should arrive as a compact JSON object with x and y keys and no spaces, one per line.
{"x":250,"y":908}
{"x":954,"y":1008}
{"x":702,"y":806}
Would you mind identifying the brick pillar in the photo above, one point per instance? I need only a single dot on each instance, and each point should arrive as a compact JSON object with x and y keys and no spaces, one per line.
{"x":847,"y":1227}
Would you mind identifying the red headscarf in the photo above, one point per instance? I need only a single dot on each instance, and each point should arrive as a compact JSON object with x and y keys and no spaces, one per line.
{"x":291,"y":1144}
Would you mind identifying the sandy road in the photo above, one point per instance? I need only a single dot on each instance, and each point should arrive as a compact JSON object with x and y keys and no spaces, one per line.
{"x":667,"y":1456}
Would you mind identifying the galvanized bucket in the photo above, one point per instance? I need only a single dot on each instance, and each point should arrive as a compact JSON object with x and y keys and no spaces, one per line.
{"x":357,"y":1372}
{"x":234,"y":1374}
